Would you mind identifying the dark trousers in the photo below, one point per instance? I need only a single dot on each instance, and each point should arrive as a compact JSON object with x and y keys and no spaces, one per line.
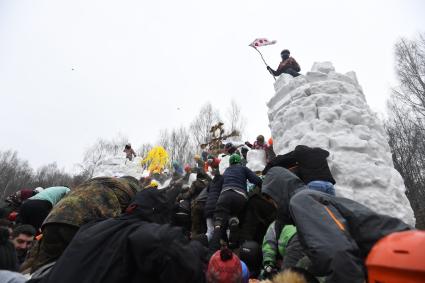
{"x":199,"y":223}
{"x":229,"y":204}
{"x":257,"y":218}
{"x":34,"y":211}
{"x":292,"y":72}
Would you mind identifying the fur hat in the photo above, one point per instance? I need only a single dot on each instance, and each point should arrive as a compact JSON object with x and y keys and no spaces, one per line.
{"x":294,"y":275}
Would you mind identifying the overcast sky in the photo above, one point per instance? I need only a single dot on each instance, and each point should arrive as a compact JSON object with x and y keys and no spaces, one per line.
{"x":74,"y":71}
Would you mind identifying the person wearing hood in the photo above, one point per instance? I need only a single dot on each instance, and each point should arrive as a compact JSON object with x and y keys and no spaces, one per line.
{"x":336,"y":233}
{"x":232,"y":200}
{"x":137,"y":246}
{"x":96,"y":198}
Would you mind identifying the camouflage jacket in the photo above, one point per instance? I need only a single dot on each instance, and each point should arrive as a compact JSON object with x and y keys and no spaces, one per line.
{"x":97,"y":198}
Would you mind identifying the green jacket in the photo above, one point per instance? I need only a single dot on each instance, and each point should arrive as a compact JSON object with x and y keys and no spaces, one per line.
{"x":275,"y":243}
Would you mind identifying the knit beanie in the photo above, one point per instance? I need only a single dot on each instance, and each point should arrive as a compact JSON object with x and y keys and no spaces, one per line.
{"x":235,"y":159}
{"x":224,"y":267}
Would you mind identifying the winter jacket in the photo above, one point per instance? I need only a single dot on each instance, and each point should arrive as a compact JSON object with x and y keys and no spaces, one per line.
{"x":96,"y":198}
{"x":195,"y":189}
{"x":236,"y":176}
{"x":275,"y":242}
{"x":214,"y":190}
{"x":286,"y":161}
{"x":285,"y":65}
{"x":129,"y":153}
{"x":336,"y":233}
{"x":135,"y":247}
{"x":313,"y":164}
{"x":258,"y":215}
{"x":52,"y":194}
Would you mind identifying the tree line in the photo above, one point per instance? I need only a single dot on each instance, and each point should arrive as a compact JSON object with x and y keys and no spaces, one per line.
{"x":181,"y":143}
{"x":406,"y":125}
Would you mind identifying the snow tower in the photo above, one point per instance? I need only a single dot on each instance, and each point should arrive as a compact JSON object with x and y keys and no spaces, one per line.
{"x":327,"y":109}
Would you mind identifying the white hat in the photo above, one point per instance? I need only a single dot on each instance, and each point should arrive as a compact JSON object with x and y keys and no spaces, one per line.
{"x":38,"y":189}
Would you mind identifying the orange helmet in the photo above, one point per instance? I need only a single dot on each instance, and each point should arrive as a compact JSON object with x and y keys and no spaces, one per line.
{"x":398,"y":257}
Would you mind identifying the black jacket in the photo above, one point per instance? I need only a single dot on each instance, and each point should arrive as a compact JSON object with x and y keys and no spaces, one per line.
{"x":214,"y":190}
{"x":286,"y":161}
{"x":336,"y":233}
{"x":311,"y":163}
{"x":131,"y":248}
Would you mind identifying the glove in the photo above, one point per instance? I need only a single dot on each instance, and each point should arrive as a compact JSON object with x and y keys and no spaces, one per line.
{"x":270,"y":70}
{"x":268,"y":272}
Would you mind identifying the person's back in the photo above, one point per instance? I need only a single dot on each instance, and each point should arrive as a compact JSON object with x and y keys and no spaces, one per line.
{"x":96,"y":198}
{"x":236,"y":175}
{"x":52,"y":194}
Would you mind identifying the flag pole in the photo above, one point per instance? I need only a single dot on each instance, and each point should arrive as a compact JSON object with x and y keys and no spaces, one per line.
{"x":264,"y":61}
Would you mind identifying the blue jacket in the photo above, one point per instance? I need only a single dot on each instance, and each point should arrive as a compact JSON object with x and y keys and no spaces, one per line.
{"x":236,"y":176}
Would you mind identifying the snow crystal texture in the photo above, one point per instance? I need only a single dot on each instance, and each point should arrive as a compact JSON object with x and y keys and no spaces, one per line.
{"x":327,"y":109}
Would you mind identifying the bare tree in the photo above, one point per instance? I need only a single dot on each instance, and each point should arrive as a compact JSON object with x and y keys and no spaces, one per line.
{"x":410,"y":68}
{"x":144,"y":149}
{"x":178,"y":144}
{"x":201,"y":125}
{"x":235,"y":120}
{"x":406,"y":127}
{"x":16,"y":174}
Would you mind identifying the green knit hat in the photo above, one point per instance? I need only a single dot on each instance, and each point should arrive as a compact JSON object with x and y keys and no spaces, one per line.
{"x":235,"y":159}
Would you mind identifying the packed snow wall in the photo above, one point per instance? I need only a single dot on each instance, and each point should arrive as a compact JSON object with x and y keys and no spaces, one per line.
{"x":327,"y":109}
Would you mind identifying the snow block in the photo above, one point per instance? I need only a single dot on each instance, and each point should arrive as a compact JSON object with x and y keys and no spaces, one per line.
{"x":256,"y":160}
{"x":323,"y":67}
{"x":328,"y":109}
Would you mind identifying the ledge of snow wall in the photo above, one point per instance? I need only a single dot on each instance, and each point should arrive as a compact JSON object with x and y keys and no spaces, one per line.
{"x":327,"y":109}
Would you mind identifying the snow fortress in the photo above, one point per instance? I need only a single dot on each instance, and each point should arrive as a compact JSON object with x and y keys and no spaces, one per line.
{"x":327,"y":109}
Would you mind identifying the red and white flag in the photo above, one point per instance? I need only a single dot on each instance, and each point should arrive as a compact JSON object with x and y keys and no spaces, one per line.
{"x":261,"y":42}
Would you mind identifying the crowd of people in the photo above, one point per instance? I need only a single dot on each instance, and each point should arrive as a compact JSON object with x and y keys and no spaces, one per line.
{"x":283,"y":224}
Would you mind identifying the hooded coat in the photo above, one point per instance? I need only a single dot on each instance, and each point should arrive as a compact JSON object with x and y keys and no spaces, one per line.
{"x":135,"y":247}
{"x":336,"y":233}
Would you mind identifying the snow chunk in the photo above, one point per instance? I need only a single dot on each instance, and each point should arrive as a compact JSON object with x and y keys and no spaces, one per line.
{"x":256,"y":160}
{"x":323,"y":67}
